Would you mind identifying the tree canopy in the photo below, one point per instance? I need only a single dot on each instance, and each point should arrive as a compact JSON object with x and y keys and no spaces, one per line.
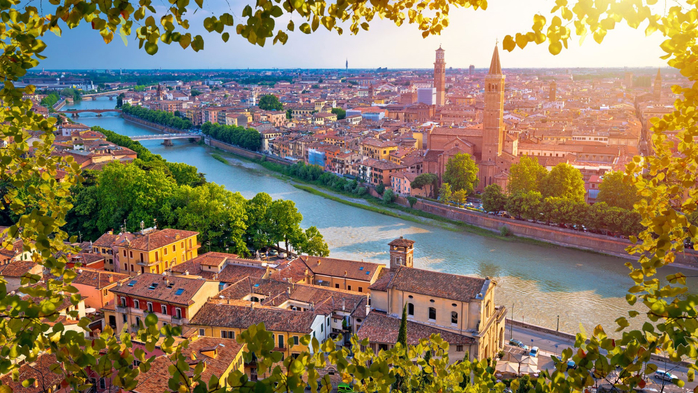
{"x":616,"y":191}
{"x":461,"y":173}
{"x":270,"y":102}
{"x":493,"y":199}
{"x":526,"y":175}
{"x":563,"y":181}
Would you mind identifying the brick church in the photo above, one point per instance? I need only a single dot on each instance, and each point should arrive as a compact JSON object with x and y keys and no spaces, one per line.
{"x":491,"y":147}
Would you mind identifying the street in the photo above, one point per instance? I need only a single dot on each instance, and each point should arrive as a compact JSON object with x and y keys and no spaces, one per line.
{"x":553,"y":345}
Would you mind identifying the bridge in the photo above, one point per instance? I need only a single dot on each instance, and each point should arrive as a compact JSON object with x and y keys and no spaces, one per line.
{"x":111,"y":94}
{"x":166,"y":138}
{"x":76,"y":112}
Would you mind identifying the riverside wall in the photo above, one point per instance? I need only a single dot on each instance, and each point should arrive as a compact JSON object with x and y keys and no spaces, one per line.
{"x":253,"y":155}
{"x":549,"y":234}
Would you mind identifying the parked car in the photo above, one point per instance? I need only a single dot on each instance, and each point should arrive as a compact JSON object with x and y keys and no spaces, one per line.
{"x":664,"y":375}
{"x":533,"y":352}
{"x":516,"y":342}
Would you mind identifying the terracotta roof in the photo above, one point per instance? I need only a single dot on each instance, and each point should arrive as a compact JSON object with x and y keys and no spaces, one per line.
{"x":382,"y":282}
{"x":156,"y":239}
{"x":242,"y":317}
{"x":155,"y":286}
{"x":356,"y":270}
{"x":401,"y":242}
{"x":16,"y":269}
{"x":217,"y":353}
{"x":40,"y":370}
{"x":437,"y":284}
{"x":97,"y":278}
{"x":383,"y":329}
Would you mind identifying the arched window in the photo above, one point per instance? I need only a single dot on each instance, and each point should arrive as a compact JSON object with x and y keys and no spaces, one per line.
{"x":432,"y":313}
{"x":454,"y":317}
{"x":410,"y":309}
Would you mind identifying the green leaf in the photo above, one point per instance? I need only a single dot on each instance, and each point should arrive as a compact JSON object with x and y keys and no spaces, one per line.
{"x":151,"y":48}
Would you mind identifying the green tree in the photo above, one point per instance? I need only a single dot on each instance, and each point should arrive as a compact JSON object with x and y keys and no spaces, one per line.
{"x":389,"y":196}
{"x":524,"y":204}
{"x":380,"y":188}
{"x":616,"y":191}
{"x":459,"y":197}
{"x":186,"y":174}
{"x":341,"y":113}
{"x":526,"y":175}
{"x":120,"y":100}
{"x":311,"y":242}
{"x":445,"y":193}
{"x":412,"y":200}
{"x":216,"y":213}
{"x":270,"y":102}
{"x":461,"y":173}
{"x":425,"y":179}
{"x":493,"y":199}
{"x":563,"y":181}
{"x":285,"y":219}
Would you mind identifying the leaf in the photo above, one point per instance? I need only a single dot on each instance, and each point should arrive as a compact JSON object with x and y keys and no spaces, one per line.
{"x":225,"y":36}
{"x":151,"y":48}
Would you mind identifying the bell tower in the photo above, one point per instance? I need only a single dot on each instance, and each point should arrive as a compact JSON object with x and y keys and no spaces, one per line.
{"x":493,"y":122}
{"x":440,"y":77}
{"x":401,"y":253}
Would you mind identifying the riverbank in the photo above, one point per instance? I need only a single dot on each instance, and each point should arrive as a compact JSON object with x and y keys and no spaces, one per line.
{"x":373,"y":204}
{"x":150,"y":125}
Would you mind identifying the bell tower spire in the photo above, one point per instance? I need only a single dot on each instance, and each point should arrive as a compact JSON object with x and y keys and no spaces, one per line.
{"x":493,"y":121}
{"x":440,"y":77}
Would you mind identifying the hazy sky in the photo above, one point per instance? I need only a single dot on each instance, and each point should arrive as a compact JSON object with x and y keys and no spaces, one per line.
{"x":468,"y":40}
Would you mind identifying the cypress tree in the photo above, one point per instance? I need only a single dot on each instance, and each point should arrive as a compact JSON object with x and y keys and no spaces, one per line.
{"x":402,"y":333}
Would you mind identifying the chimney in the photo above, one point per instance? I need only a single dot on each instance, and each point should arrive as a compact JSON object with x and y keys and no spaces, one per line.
{"x":111,"y":278}
{"x":344,"y":304}
{"x":288,"y":291}
{"x":368,"y":309}
{"x":186,"y":272}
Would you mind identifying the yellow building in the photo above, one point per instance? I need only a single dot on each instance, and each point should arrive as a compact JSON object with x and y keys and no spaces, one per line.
{"x":377,"y":149}
{"x":153,"y":250}
{"x":228,"y":318}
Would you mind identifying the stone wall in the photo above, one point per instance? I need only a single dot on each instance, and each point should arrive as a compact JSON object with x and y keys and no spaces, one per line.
{"x":244,"y":152}
{"x":549,"y":234}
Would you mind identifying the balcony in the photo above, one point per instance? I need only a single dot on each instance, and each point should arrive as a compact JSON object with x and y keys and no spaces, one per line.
{"x":121,"y":309}
{"x":178,"y":321}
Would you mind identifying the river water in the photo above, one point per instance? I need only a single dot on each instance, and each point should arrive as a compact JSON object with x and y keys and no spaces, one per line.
{"x":537,"y":283}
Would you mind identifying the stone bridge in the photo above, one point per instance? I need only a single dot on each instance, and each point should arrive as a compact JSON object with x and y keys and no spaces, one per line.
{"x":166,"y":138}
{"x":76,"y":112}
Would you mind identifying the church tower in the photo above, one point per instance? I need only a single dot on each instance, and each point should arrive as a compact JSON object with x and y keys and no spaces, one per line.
{"x":658,"y":86}
{"x":401,"y":253}
{"x":493,"y":121}
{"x":440,"y":77}
{"x":553,"y":91}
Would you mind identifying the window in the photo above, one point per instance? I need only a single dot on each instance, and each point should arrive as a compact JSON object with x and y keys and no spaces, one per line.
{"x":322,"y":328}
{"x":410,"y":309}
{"x":136,"y":303}
{"x":179,"y":292}
{"x":124,"y":253}
{"x":141,"y":257}
{"x":181,"y":245}
{"x":328,"y":321}
{"x":163,"y":308}
{"x":459,"y":348}
{"x":174,"y":247}
{"x":102,"y":383}
{"x":432,"y":313}
{"x":336,"y":286}
{"x":454,"y":318}
{"x":125,"y":318}
{"x":149,"y":306}
{"x":130,"y":254}
{"x":157,"y":256}
{"x":126,"y":266}
{"x":178,"y":313}
{"x":227,"y":333}
{"x":202,"y":332}
{"x":361,"y":289}
{"x":131,"y":267}
{"x":281,"y":341}
{"x":123,"y":302}
{"x":138,"y":321}
{"x":189,"y":243}
{"x":295,"y":340}
{"x":164,"y":250}
{"x":349,"y":287}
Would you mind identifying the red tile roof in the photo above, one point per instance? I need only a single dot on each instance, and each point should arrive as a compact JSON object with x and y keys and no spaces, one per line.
{"x":383,"y":329}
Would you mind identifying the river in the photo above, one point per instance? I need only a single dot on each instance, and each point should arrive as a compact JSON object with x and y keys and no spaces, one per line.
{"x":537,"y":283}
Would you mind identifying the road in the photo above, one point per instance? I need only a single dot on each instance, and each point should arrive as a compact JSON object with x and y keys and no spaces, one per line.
{"x":553,"y":345}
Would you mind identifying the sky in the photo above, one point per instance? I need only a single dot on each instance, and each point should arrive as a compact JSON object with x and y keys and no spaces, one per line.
{"x":469,"y":39}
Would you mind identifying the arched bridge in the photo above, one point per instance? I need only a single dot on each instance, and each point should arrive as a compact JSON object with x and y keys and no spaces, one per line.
{"x":76,"y":112}
{"x":110,"y":94}
{"x":166,"y":138}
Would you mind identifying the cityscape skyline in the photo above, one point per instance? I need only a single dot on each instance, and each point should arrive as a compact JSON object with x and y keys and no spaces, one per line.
{"x":468,"y":40}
